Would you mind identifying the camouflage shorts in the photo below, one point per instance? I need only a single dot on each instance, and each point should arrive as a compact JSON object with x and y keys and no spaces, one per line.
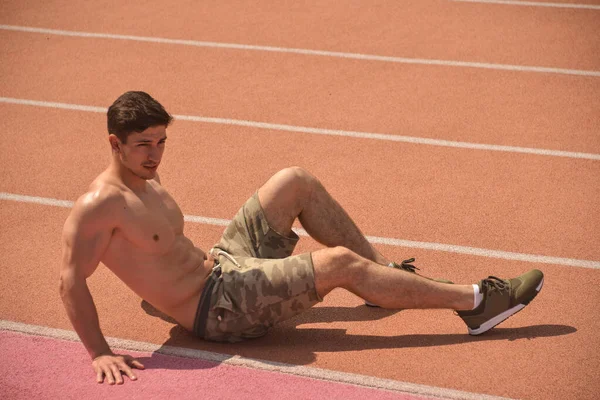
{"x":261,"y":283}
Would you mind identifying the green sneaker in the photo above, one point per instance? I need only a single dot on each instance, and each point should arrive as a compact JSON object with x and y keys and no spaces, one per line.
{"x":406,"y":265}
{"x":501,"y":299}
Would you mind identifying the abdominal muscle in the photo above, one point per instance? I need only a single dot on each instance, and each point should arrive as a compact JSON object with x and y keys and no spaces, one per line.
{"x":171,"y":279}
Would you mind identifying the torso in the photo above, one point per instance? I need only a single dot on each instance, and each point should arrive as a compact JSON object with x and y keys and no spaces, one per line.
{"x":149,"y":253}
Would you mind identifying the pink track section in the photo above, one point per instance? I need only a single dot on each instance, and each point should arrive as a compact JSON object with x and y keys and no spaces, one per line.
{"x":34,"y":367}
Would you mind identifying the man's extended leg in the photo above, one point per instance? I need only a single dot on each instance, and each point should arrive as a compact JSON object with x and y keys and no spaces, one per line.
{"x":494,"y":301}
{"x":387,"y":287}
{"x":294,"y":193}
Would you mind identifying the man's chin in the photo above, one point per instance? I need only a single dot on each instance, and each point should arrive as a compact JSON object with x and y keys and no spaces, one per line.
{"x":147,"y":174}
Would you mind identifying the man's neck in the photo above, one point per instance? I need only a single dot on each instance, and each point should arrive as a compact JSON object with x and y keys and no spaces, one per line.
{"x":129,"y":179}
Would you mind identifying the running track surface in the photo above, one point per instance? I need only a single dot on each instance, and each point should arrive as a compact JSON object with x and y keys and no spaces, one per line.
{"x":543,"y":207}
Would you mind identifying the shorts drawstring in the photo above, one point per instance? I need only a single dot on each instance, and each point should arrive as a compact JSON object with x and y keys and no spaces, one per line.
{"x":225,"y":254}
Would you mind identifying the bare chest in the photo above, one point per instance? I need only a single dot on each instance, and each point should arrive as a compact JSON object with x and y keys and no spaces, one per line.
{"x":150,"y":223}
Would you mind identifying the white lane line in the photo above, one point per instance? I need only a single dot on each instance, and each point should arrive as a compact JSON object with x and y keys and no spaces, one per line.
{"x":239,"y":361}
{"x":330,"y":132}
{"x":534,"y":4}
{"x":449,"y":248}
{"x":273,"y":49}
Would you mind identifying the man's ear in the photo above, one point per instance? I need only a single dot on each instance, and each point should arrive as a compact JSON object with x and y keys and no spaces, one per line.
{"x":115,"y":143}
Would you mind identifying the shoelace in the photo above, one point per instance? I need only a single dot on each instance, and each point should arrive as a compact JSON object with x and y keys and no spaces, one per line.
{"x":490,"y":285}
{"x":493,"y":283}
{"x":406,"y":265}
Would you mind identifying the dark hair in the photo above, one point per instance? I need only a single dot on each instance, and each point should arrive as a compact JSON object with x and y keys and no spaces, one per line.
{"x":135,"y":112}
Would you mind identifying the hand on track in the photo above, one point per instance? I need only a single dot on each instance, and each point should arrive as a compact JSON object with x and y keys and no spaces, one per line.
{"x":112,"y":366}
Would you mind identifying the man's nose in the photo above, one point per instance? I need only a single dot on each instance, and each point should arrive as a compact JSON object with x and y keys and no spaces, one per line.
{"x":154,"y":154}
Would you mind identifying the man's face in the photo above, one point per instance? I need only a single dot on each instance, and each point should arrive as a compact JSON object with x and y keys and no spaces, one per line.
{"x":143,"y":151}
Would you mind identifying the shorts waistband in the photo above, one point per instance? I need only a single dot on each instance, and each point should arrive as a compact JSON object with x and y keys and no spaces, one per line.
{"x":204,"y":306}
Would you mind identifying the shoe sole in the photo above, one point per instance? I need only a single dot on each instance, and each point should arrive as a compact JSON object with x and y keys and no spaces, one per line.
{"x":486,"y":326}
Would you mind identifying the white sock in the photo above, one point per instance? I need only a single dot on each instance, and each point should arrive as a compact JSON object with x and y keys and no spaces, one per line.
{"x":477,"y":297}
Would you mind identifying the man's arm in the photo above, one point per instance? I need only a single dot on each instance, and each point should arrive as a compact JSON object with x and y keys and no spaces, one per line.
{"x":86,"y":236}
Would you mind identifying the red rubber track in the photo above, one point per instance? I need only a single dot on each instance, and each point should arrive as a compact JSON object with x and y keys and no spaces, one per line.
{"x":531,"y":204}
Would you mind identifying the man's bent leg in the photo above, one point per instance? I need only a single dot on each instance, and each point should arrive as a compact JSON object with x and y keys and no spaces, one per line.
{"x":387,"y":287}
{"x":294,"y":193}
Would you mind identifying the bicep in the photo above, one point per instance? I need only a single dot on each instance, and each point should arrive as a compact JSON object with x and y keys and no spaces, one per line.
{"x":84,"y":241}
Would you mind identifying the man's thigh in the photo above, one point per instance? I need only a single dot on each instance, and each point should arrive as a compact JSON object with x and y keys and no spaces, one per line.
{"x":249,"y":234}
{"x":254,"y":294}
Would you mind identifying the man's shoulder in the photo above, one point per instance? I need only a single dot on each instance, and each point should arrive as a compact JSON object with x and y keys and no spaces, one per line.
{"x":103,"y":199}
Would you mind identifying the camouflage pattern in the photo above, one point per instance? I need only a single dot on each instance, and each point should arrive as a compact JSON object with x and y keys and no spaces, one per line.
{"x":261,"y":283}
{"x":249,"y":234}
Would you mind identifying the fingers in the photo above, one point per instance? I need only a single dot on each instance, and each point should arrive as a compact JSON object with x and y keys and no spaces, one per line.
{"x":107,"y":372}
{"x":112,"y":368}
{"x":101,"y":372}
{"x":127,"y":371}
{"x":118,"y":378}
{"x":135,"y":363}
{"x":99,"y":376}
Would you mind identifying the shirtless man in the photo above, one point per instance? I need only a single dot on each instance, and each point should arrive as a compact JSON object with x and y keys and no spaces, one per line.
{"x":250,"y":280}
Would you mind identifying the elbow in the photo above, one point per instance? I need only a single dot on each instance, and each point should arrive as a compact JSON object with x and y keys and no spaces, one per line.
{"x":65,"y":284}
{"x":62,"y":286}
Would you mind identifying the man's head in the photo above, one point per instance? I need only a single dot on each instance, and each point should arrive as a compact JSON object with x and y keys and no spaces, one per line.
{"x":137,"y":132}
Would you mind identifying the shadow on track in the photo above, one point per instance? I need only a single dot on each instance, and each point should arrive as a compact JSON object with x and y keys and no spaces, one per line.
{"x":287,"y":343}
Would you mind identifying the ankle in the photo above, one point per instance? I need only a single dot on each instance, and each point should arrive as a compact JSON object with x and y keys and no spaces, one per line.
{"x":466,"y":301}
{"x":477,"y":296}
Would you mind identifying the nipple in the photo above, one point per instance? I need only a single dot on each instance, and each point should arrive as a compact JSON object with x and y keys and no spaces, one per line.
{"x":155,"y":237}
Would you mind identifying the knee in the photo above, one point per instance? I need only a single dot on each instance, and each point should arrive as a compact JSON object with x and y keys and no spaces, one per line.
{"x":341,"y":257}
{"x":298,"y":177}
{"x":335,"y":267}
